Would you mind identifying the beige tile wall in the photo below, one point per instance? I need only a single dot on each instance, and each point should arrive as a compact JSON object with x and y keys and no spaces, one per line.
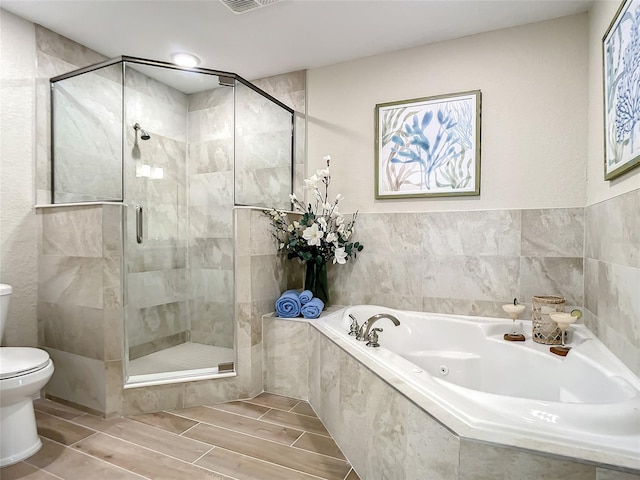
{"x":612,"y":275}
{"x":291,"y":89}
{"x":55,"y":55}
{"x":286,"y":362}
{"x":467,"y":262}
{"x":80,"y":311}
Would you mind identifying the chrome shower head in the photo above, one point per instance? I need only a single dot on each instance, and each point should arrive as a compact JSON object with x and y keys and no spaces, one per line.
{"x":144,"y":135}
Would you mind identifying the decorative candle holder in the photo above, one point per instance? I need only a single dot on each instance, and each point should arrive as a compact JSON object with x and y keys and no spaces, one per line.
{"x":563,"y":320}
{"x":545,"y":330}
{"x":513,"y":310}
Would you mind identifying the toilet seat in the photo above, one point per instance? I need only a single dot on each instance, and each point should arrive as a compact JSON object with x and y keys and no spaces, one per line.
{"x":19,"y":361}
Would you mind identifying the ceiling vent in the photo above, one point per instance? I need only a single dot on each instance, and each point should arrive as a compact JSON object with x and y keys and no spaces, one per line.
{"x":241,"y":6}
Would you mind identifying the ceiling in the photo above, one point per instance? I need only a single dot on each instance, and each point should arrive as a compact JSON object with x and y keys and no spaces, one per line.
{"x":281,"y":37}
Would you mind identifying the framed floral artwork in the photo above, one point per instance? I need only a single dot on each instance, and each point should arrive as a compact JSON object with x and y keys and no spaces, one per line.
{"x":428,"y":147}
{"x":621,"y":59}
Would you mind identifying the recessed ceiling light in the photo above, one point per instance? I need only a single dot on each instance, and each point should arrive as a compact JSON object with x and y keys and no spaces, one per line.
{"x":185,"y":59}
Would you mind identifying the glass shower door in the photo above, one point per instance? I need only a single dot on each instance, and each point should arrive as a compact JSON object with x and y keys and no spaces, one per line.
{"x":174,"y":293}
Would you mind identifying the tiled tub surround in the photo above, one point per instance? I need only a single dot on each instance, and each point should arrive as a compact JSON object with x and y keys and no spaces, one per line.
{"x":468,"y":262}
{"x":612,"y":275}
{"x":384,"y":433}
{"x":514,"y":393}
{"x":472,"y":262}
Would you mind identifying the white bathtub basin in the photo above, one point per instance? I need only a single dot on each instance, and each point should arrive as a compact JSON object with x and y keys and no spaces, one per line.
{"x":462,"y":367}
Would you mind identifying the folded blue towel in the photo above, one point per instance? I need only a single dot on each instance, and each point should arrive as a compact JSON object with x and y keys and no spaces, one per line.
{"x":305,"y":297}
{"x":288,"y":305}
{"x":313,"y":308}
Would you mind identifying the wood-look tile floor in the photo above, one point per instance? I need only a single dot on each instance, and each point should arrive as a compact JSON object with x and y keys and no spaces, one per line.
{"x":266,"y":437}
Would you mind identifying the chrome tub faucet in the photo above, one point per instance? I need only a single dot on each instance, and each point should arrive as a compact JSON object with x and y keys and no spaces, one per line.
{"x":364,"y":331}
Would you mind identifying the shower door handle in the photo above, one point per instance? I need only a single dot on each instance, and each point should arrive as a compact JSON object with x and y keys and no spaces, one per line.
{"x":139,"y":223}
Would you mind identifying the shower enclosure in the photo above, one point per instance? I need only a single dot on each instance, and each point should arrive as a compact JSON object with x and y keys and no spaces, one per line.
{"x":179,"y":148}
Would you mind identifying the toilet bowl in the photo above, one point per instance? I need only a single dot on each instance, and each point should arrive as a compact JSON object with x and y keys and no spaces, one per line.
{"x":23,"y":372}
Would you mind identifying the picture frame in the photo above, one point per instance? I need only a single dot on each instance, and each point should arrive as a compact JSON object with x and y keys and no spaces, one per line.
{"x":428,"y":147}
{"x":621,"y":80}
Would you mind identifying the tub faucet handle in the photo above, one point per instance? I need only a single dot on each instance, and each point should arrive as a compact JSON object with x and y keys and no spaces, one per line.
{"x":373,"y":338}
{"x":354,"y":327}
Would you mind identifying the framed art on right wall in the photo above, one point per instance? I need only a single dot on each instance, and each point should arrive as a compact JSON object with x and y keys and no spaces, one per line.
{"x":621,"y":70}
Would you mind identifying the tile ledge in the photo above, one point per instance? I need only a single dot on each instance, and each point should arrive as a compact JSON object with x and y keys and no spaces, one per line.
{"x":77,"y":204}
{"x":330,"y":309}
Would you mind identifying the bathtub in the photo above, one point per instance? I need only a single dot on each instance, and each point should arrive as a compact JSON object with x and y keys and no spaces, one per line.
{"x":460,"y":370}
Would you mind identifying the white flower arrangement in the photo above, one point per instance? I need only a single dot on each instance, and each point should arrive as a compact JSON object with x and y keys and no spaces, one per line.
{"x":321,"y":235}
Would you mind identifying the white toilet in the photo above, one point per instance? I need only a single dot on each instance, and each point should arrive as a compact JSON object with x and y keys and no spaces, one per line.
{"x":23,"y":372}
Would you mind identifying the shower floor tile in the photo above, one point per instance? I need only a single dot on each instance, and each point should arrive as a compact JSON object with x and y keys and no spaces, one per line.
{"x":186,"y":356}
{"x":211,"y":442}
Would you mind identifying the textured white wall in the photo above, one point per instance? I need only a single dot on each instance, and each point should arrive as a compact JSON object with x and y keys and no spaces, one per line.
{"x":598,"y":189}
{"x":18,"y":227}
{"x":534,"y":114}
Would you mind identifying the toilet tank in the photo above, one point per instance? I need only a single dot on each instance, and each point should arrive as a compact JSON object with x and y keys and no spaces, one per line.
{"x":5,"y":295}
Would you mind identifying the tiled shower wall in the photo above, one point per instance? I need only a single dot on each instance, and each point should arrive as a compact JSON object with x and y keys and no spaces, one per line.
{"x":290,"y":89}
{"x":55,"y":55}
{"x":261,"y":156}
{"x":88,"y":164}
{"x":468,"y":263}
{"x":612,"y":275}
{"x":263,"y":150}
{"x":210,"y":176}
